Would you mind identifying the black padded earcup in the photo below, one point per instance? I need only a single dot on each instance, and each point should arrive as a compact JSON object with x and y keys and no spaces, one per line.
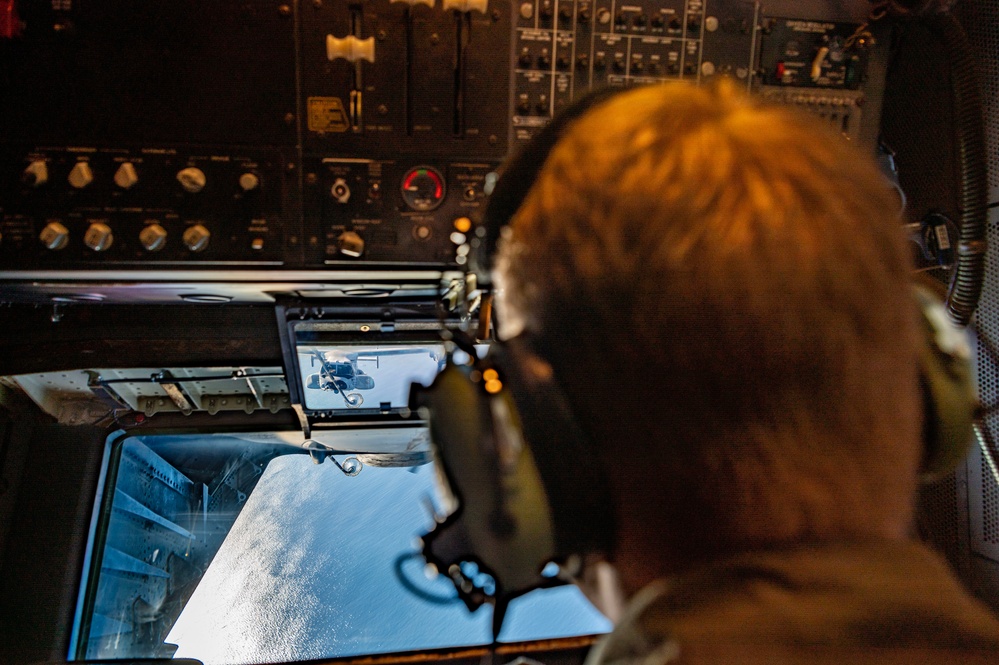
{"x":570,"y":466}
{"x":528,"y":482}
{"x":502,"y":520}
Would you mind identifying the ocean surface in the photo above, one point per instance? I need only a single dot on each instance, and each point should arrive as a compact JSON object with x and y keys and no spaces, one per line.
{"x":311,"y":569}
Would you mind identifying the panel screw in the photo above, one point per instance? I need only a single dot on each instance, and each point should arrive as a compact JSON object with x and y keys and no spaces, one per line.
{"x":284,"y":10}
{"x":289,"y":118}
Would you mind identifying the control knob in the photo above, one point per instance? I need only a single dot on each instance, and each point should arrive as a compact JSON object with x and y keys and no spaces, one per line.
{"x":192,"y":179}
{"x":98,"y":237}
{"x":81,"y":175}
{"x":54,"y":236}
{"x":36,"y":174}
{"x":196,"y":238}
{"x":351,"y":244}
{"x":249,"y":181}
{"x":153,"y":237}
{"x":125,"y":177}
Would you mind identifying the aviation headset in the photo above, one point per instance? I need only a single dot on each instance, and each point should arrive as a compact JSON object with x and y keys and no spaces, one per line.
{"x":523,"y":505}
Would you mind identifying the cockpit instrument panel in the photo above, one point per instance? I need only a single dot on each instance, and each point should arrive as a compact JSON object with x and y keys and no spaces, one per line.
{"x":149,"y":139}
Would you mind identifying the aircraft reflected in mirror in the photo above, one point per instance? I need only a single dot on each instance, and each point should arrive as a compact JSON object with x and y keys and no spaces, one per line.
{"x":338,"y":371}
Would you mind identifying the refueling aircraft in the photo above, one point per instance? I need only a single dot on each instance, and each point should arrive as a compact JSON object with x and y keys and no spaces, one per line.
{"x":340,"y":373}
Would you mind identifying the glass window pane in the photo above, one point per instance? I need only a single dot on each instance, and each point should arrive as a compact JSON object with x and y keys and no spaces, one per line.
{"x":296,"y":562}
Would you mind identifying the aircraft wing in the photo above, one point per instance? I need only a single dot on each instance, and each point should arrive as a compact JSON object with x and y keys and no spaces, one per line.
{"x":374,"y":355}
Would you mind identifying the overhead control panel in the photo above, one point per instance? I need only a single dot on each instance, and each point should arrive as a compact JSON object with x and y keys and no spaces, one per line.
{"x":566,"y":47}
{"x":323,"y":136}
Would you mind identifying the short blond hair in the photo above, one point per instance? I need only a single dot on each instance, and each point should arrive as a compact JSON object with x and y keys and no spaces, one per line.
{"x":723,"y":290}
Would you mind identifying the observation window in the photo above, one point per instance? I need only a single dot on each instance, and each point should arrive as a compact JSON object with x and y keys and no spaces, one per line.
{"x":237,"y":548}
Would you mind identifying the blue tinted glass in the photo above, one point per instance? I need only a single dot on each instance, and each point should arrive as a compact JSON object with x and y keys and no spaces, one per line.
{"x":316,"y":564}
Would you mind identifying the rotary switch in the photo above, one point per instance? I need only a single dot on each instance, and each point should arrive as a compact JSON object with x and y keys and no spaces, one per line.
{"x":192,"y":179}
{"x":196,"y":238}
{"x":351,"y":244}
{"x":126,"y":176}
{"x":153,"y":237}
{"x":36,"y":174}
{"x":350,"y":48}
{"x":54,"y":236}
{"x":81,"y":175}
{"x":98,"y":237}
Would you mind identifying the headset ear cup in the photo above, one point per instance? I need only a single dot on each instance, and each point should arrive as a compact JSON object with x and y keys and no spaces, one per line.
{"x":503,"y":521}
{"x":528,"y":482}
{"x":579,"y":494}
{"x":949,"y":393}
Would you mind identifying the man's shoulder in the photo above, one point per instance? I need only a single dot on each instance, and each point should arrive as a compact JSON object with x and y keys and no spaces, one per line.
{"x":862,"y":602}
{"x":757,"y":654}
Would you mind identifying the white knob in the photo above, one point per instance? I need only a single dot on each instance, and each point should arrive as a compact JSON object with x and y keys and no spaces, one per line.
{"x":351,"y":244}
{"x":466,"y":5}
{"x":153,"y":237}
{"x":249,"y":182}
{"x":54,"y":235}
{"x":126,"y":176}
{"x":37,"y":173}
{"x":196,"y":238}
{"x":98,"y":237}
{"x":350,"y":48}
{"x":81,"y":175}
{"x":192,"y":179}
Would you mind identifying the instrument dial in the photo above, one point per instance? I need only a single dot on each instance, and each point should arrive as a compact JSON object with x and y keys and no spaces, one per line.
{"x":423,"y":188}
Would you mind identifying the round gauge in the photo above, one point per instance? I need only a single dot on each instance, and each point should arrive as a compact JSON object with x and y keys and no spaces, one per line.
{"x":423,"y":188}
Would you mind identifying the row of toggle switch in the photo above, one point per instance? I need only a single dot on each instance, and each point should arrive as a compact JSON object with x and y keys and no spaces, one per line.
{"x":621,"y":20}
{"x":99,"y":237}
{"x":192,"y":179}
